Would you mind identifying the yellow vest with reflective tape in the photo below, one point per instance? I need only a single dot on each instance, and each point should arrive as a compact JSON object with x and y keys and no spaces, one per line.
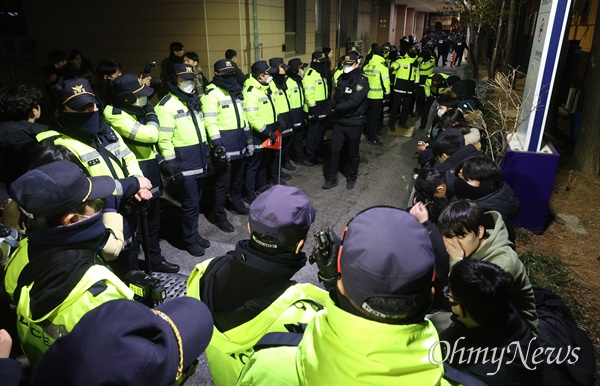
{"x":37,"y":335}
{"x":228,"y":352}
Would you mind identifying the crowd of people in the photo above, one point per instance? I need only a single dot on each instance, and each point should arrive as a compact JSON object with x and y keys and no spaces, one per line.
{"x":85,"y":197}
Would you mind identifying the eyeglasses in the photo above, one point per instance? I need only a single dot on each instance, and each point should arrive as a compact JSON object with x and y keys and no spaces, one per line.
{"x":447,"y":295}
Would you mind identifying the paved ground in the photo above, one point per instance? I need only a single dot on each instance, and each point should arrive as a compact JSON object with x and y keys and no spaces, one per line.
{"x":384,"y":179}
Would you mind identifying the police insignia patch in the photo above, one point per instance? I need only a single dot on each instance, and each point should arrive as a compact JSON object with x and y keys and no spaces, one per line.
{"x":359,"y":87}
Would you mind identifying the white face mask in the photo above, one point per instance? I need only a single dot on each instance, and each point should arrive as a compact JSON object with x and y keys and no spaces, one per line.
{"x":269,"y":79}
{"x":187,"y":86}
{"x":441,"y":112}
{"x":141,"y":101}
{"x":301,"y":72}
{"x":347,"y":69}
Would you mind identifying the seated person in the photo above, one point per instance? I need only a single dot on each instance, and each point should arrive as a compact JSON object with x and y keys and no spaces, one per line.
{"x":54,"y":277}
{"x":373,"y":330}
{"x":123,"y":342}
{"x":471,"y":233}
{"x":449,"y":151}
{"x":456,"y":119}
{"x":484,"y":319}
{"x":480,"y":180}
{"x":249,"y":290}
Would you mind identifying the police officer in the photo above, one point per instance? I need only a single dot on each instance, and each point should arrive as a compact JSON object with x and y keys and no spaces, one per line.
{"x":249,"y":290}
{"x":426,"y":67}
{"x":297,"y":99}
{"x":55,"y":276}
{"x":316,"y":92}
{"x":349,"y":106}
{"x":101,"y":151}
{"x":183,"y":144}
{"x":133,"y":116}
{"x":281,"y":99}
{"x":379,"y":92}
{"x":262,"y":118}
{"x":373,"y":330}
{"x":229,"y":135}
{"x":406,"y":78}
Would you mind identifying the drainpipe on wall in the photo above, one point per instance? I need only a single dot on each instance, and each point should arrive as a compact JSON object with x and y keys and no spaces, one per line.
{"x":206,"y":30}
{"x":339,"y":25}
{"x":256,"y":42}
{"x":243,"y":55}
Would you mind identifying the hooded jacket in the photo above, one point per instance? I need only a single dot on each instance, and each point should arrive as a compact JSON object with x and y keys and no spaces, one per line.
{"x":343,"y":349}
{"x":506,"y":203}
{"x":499,"y":250}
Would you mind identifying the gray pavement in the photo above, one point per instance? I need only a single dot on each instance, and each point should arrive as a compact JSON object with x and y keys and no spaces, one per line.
{"x":385,"y":178}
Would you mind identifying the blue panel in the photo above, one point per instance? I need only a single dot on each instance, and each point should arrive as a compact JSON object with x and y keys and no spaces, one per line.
{"x":531,"y":175}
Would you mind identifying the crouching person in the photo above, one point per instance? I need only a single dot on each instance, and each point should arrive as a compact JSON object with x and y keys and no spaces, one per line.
{"x":373,"y":330}
{"x":249,"y":290}
{"x":56,"y":275}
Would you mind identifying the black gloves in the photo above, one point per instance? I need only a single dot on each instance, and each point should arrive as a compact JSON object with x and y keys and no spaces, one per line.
{"x":221,"y":154}
{"x":325,"y":254}
{"x":273,"y":137}
{"x":249,"y":147}
{"x":386,"y":100}
{"x":171,"y":171}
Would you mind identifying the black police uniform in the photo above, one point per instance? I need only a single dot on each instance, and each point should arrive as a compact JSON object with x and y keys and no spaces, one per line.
{"x":349,"y":104}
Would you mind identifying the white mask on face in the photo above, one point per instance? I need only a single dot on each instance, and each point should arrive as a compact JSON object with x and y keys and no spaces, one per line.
{"x":441,"y":112}
{"x":187,"y":86}
{"x":141,"y":101}
{"x":348,"y":68}
{"x":301,"y":72}
{"x":269,"y":79}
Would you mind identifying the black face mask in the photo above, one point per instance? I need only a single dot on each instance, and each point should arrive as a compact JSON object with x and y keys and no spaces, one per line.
{"x":86,"y":123}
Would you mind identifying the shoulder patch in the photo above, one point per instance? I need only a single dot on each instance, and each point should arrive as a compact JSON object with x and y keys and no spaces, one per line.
{"x":116,"y":111}
{"x":208,"y":91}
{"x":164,"y":100}
{"x":359,"y":87}
{"x":250,"y":88}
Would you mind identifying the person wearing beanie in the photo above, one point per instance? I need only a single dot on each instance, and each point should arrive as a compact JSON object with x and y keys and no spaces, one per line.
{"x":261,"y":113}
{"x":373,"y":330}
{"x":133,"y":117}
{"x":56,"y":275}
{"x":250,"y":290}
{"x":483,"y":318}
{"x":183,"y":143}
{"x":230,"y":139}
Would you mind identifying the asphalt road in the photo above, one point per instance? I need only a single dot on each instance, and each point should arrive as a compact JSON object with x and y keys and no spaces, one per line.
{"x":385,"y":178}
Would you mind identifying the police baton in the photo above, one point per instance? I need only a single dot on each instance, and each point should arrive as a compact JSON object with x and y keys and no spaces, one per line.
{"x":145,"y":238}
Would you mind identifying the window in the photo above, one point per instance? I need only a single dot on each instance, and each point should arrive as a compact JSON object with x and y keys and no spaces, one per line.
{"x":295,"y":27}
{"x":290,"y":25}
{"x":322,"y":17}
